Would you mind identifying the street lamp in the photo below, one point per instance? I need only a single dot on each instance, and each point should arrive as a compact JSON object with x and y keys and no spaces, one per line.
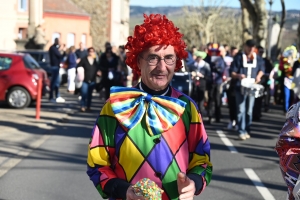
{"x":270,"y":27}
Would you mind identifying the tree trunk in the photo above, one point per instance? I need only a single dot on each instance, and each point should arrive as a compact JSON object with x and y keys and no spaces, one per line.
{"x":245,"y":22}
{"x":298,"y":34}
{"x":261,"y":23}
{"x":258,"y":15}
{"x":283,"y":15}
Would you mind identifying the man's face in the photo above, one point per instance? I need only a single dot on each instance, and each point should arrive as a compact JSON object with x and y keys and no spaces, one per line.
{"x":222,"y":51}
{"x":249,"y":50}
{"x":157,"y":77}
{"x":234,"y":52}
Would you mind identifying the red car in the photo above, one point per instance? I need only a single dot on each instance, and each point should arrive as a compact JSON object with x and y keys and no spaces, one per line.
{"x":19,"y":74}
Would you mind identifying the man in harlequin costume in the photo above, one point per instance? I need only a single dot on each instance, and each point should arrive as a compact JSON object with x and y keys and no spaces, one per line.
{"x":152,"y":130}
{"x":288,"y":150}
{"x":286,"y":66}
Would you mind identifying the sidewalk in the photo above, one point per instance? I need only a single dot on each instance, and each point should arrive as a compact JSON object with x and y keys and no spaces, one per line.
{"x":21,"y":133}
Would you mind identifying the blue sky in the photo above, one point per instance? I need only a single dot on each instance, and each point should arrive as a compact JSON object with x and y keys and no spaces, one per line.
{"x":289,"y":4}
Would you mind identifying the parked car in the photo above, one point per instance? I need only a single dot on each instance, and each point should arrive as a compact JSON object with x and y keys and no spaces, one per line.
{"x":42,"y":58}
{"x":19,"y":74}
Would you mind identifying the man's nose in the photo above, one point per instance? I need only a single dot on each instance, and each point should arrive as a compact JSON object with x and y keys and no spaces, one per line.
{"x":161,"y":64}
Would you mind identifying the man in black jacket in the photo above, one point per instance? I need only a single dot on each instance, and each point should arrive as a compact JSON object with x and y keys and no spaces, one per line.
{"x":55,"y":60}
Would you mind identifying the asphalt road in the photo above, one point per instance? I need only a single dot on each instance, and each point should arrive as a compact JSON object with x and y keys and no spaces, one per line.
{"x":56,"y":169}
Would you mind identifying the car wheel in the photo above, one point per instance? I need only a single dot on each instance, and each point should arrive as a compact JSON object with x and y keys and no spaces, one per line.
{"x":18,"y":97}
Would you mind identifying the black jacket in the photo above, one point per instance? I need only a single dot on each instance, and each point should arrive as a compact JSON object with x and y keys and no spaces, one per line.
{"x":55,"y":56}
{"x":90,"y":71}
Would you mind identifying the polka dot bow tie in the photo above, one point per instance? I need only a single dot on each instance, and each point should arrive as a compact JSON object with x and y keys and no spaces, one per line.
{"x":130,"y":105}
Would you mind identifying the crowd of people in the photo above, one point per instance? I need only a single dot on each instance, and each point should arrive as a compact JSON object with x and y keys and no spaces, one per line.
{"x":87,"y":70}
{"x":218,"y":74}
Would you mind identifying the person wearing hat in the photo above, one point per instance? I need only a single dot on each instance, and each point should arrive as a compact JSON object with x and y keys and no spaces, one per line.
{"x":242,"y":62}
{"x":152,"y":130}
{"x":201,"y":75}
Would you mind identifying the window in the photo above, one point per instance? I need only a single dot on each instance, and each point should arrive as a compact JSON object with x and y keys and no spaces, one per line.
{"x":22,"y":33}
{"x":83,"y":38}
{"x":23,"y":5}
{"x":55,"y":35}
{"x":30,"y":63}
{"x":70,"y":40}
{"x":5,"y":63}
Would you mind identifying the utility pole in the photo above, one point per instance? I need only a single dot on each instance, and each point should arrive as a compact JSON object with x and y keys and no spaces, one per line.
{"x":270,"y":28}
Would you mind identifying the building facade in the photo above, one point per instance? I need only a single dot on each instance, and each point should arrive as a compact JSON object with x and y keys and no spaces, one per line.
{"x":73,"y":21}
{"x":109,"y":21}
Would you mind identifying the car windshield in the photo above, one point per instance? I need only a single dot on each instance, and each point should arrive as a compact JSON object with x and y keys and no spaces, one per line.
{"x":30,"y":63}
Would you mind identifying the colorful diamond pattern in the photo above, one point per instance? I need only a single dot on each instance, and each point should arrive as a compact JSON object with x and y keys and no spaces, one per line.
{"x":175,"y":142}
{"x":180,"y":149}
{"x":160,"y":165}
{"x":140,"y":136}
{"x":128,"y":151}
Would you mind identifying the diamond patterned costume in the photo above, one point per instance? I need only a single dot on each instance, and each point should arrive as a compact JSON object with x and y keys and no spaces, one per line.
{"x":153,"y":147}
{"x":288,"y":150}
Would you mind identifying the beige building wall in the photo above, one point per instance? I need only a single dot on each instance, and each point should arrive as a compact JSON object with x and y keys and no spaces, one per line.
{"x":64,"y":25}
{"x":119,"y":22}
{"x":13,"y":23}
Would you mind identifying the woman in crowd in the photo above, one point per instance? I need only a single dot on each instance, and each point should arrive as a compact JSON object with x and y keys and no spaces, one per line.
{"x":91,"y":70}
{"x":71,"y":62}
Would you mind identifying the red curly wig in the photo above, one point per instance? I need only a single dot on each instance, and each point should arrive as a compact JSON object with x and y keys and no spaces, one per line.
{"x":156,"y":30}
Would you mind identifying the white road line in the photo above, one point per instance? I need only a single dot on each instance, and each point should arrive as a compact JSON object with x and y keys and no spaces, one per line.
{"x":258,"y":184}
{"x":12,"y":162}
{"x":226,"y":141}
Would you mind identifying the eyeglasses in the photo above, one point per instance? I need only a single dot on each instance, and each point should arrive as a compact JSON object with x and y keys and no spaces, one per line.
{"x":154,"y":59}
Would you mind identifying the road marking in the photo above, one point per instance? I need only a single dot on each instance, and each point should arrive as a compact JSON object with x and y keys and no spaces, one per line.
{"x":226,"y":141}
{"x":12,"y":162}
{"x":258,"y":184}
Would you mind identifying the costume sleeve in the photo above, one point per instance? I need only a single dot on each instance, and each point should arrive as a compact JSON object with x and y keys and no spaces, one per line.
{"x":101,"y":152}
{"x":199,"y":151}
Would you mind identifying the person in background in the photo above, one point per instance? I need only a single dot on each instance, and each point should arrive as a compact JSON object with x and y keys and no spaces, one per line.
{"x":55,"y":60}
{"x":125,"y":70}
{"x":109,"y":65}
{"x":257,"y":108}
{"x":286,"y":67}
{"x":233,"y":51}
{"x":91,"y":70}
{"x":202,"y":72}
{"x":242,"y":62}
{"x":215,"y":90}
{"x":81,"y":52}
{"x":71,"y":70}
{"x":226,"y":47}
{"x":150,"y":131}
{"x":231,"y":95}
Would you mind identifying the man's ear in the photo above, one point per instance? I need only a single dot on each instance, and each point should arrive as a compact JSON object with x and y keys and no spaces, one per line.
{"x":138,"y":60}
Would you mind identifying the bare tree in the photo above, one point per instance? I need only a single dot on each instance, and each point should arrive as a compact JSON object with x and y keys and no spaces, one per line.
{"x":257,"y":14}
{"x":283,"y":17}
{"x":209,"y":22}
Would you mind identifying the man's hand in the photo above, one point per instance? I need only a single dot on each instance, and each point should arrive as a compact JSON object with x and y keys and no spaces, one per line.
{"x":186,"y":187}
{"x":200,"y":75}
{"x":130,"y":195}
{"x":258,"y":79}
{"x":242,"y":76}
